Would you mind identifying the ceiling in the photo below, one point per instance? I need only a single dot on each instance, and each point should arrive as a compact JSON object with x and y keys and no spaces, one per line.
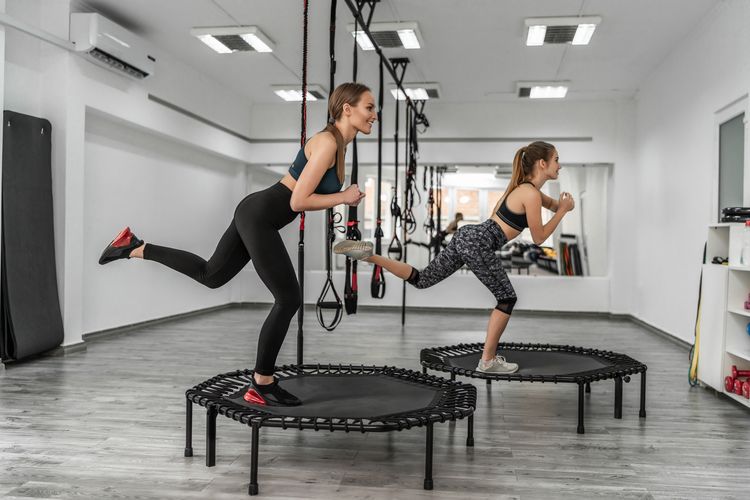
{"x":474,"y":49}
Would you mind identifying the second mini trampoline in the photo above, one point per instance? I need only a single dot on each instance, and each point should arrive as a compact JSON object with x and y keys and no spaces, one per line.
{"x":544,"y":363}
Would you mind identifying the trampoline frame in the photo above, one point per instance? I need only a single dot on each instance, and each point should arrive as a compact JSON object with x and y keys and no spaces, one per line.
{"x":457,"y":400}
{"x":622,"y":366}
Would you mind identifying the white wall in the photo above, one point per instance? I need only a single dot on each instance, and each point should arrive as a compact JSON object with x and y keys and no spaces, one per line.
{"x":588,"y":132}
{"x":675,"y":163}
{"x":170,"y":195}
{"x":661,"y":146}
{"x":47,"y":81}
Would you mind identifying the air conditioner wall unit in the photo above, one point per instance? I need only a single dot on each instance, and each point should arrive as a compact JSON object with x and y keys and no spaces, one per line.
{"x":111,"y":46}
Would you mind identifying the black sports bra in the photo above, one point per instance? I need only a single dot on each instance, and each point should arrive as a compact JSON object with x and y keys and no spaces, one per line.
{"x":514,"y":220}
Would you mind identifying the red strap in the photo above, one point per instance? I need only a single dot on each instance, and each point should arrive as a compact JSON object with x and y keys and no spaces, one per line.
{"x":302,"y":221}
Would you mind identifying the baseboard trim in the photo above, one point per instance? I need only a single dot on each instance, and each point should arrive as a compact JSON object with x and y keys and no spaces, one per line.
{"x":120,"y":330}
{"x":93,"y":336}
{"x":661,"y":333}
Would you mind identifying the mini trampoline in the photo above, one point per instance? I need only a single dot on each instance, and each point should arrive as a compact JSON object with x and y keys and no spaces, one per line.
{"x":335,"y":398}
{"x":544,"y":363}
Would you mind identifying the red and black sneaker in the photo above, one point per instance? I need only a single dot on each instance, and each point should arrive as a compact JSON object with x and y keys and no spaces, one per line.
{"x":270,"y":395}
{"x":120,"y":247}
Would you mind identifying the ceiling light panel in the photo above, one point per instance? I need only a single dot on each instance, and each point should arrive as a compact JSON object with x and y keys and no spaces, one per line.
{"x":389,"y":36}
{"x":229,"y":39}
{"x":543,"y":90}
{"x":559,"y":30}
{"x":417,"y":91}
{"x":293,"y":93}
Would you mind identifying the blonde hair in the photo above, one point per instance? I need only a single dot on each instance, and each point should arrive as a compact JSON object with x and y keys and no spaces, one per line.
{"x":346,"y":93}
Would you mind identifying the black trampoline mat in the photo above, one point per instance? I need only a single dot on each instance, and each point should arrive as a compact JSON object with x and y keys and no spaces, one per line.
{"x":546,"y":363}
{"x":349,"y":396}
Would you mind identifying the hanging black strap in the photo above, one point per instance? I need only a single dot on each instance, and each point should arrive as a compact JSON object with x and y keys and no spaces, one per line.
{"x":301,"y":244}
{"x":351,"y":288}
{"x":395,"y":248}
{"x":408,"y":220}
{"x":333,"y":302}
{"x":429,"y":223}
{"x":377,"y":283}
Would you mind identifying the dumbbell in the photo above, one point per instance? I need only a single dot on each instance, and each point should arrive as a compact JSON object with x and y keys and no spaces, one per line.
{"x":733,"y":384}
{"x":736,"y":373}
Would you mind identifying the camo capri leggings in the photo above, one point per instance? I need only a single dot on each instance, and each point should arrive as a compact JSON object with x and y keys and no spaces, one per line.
{"x":475,"y":246}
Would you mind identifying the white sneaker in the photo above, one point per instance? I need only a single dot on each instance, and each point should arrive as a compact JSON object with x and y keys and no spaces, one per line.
{"x":497,"y":365}
{"x":354,"y":249}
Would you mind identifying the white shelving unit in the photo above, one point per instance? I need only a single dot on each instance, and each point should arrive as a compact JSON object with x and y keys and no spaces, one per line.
{"x":724,"y":320}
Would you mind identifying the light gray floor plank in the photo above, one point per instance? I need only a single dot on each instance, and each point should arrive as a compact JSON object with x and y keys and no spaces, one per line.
{"x":109,"y":422}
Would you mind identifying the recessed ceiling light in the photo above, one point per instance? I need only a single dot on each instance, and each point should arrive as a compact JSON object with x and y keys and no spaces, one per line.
{"x":557,"y":30}
{"x":416,"y":91}
{"x":542,"y":90}
{"x":293,"y":93}
{"x":389,"y":36}
{"x":228,"y":39}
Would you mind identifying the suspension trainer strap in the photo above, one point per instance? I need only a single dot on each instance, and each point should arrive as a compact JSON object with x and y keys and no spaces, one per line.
{"x":429,"y":223}
{"x":395,"y":248}
{"x":439,"y":205}
{"x":301,"y":244}
{"x":377,"y":283}
{"x":333,"y":302}
{"x":351,"y":288}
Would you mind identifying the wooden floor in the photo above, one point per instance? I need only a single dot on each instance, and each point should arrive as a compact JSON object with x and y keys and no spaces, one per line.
{"x":108,"y":423}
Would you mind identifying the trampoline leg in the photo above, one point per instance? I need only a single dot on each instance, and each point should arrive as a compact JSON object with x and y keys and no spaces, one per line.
{"x":189,"y":428}
{"x":424,"y":370}
{"x":580,"y":409}
{"x":642,"y":412}
{"x":489,"y":382}
{"x":470,"y":437}
{"x":618,"y":397}
{"x":428,"y":460}
{"x":253,"y":489}
{"x":211,"y":436}
{"x":453,"y":376}
{"x":588,"y":388}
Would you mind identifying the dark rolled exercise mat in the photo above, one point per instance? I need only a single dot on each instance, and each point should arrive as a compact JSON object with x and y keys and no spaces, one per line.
{"x":30,"y":316}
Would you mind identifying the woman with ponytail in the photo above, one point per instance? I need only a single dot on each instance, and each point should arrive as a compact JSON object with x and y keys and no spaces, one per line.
{"x":475,"y":245}
{"x":314,"y":182}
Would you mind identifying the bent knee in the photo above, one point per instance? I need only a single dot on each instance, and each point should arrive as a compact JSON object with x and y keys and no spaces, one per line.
{"x":212,"y":281}
{"x":506,"y":305}
{"x":289,"y":303}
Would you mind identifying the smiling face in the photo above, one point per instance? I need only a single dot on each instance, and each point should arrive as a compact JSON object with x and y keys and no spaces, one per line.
{"x":362,"y":114}
{"x":552,"y":166}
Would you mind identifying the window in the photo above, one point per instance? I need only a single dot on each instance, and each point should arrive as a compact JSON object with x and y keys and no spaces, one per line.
{"x":369,"y":206}
{"x":467,"y":202}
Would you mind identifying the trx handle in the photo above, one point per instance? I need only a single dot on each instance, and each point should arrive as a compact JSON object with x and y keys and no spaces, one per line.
{"x":351,"y":287}
{"x":395,"y":248}
{"x":324,"y":304}
{"x":335,"y":304}
{"x":377,"y":283}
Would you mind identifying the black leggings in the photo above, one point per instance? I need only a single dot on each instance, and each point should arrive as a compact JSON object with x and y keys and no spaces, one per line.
{"x":252,"y":234}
